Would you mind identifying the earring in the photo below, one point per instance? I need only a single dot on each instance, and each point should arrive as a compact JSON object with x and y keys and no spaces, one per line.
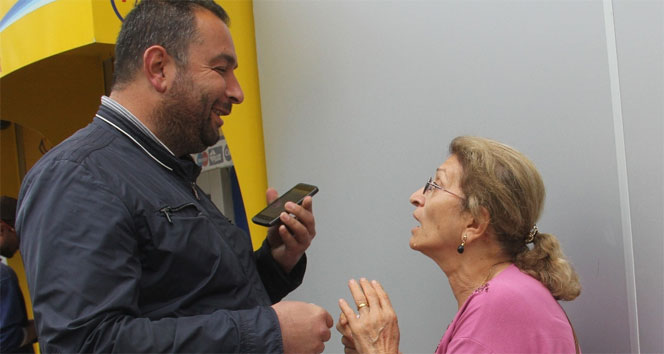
{"x":461,"y":247}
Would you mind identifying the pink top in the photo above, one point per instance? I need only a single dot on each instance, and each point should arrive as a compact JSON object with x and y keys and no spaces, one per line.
{"x":512,"y":313}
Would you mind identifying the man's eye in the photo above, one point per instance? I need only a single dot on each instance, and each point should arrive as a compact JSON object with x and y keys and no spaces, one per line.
{"x":220,"y":70}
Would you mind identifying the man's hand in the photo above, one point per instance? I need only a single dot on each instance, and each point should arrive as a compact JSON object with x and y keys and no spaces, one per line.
{"x":30,"y":334}
{"x":304,"y":327}
{"x":290,"y":239}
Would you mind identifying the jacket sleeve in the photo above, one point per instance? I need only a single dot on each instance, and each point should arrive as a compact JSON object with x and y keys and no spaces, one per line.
{"x":83,"y":265}
{"x":277,"y":283}
{"x":12,"y":311}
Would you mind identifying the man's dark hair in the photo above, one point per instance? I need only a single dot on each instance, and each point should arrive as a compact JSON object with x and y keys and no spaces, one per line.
{"x":8,"y":210}
{"x":168,"y":23}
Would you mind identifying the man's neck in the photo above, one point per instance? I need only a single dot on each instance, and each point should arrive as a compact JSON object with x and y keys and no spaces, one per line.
{"x":140,"y":108}
{"x":139,"y":115}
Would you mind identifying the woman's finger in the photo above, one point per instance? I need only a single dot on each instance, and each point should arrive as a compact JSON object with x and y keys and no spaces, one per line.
{"x":358,"y":295}
{"x":342,"y":319}
{"x":382,"y":295}
{"x":347,"y":311}
{"x":348,"y":343}
{"x":343,"y":327}
{"x":370,"y":294}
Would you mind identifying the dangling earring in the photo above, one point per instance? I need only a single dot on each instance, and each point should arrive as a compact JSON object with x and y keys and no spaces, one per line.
{"x":461,"y":247}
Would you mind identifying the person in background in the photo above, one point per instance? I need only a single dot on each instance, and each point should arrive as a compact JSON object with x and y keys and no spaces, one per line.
{"x":477,"y":220}
{"x":17,"y":333}
{"x":123,"y":251}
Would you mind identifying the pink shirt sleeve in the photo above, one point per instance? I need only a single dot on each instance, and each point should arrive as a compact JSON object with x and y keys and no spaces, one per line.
{"x":467,"y":345}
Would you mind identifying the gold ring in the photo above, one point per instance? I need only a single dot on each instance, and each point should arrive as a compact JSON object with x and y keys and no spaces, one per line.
{"x":364,"y":304}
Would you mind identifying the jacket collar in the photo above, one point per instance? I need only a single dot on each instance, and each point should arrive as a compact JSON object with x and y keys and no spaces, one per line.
{"x":183,"y":166}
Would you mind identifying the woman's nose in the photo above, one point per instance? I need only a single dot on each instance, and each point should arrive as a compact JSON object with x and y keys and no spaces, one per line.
{"x":417,"y":198}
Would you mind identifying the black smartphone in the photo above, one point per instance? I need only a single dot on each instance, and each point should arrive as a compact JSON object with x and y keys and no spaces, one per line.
{"x":270,"y":215}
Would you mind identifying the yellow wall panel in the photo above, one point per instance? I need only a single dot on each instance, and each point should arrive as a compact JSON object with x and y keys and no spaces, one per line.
{"x":52,"y":29}
{"x":107,"y":21}
{"x":55,"y":96}
{"x":9,"y":176}
{"x":244,"y":127}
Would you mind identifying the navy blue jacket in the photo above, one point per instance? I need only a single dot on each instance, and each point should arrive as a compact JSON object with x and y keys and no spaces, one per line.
{"x":13,"y":317}
{"x":124,"y":253}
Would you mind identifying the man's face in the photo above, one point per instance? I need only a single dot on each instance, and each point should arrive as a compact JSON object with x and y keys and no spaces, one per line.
{"x":202,"y":91}
{"x":8,"y":240}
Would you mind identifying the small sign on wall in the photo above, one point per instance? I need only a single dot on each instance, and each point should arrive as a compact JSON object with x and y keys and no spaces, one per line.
{"x":216,"y":156}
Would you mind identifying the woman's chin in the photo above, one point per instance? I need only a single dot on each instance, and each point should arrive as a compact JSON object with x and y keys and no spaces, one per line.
{"x":413,"y":243}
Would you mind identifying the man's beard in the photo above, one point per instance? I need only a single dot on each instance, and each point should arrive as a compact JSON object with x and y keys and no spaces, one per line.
{"x":184,"y":119}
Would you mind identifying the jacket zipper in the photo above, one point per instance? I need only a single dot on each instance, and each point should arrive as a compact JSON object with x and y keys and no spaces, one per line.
{"x":193,"y":188}
{"x":167,"y":211}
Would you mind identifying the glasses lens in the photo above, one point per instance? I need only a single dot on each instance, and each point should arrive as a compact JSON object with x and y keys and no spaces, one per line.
{"x":427,"y":186}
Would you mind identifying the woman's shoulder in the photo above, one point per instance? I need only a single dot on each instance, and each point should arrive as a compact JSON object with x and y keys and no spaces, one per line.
{"x":513,"y":303}
{"x":513,"y":282}
{"x":513,"y":293}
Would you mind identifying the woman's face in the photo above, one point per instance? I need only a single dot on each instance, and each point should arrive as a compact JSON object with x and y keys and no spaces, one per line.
{"x":439,"y":211}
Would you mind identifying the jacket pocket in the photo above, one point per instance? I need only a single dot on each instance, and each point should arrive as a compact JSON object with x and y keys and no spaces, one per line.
{"x":186,"y":244}
{"x":186,"y":210}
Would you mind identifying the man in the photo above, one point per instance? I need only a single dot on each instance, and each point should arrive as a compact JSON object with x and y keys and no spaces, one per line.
{"x":123,"y":251}
{"x":17,"y":333}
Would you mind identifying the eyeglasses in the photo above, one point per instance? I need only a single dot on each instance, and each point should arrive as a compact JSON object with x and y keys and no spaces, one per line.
{"x":431,"y":184}
{"x":7,"y":225}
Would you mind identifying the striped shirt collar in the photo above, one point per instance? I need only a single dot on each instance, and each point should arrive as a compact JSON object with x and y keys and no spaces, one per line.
{"x":124,"y":113}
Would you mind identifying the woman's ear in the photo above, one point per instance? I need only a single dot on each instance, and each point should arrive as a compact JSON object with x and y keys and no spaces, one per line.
{"x":156,"y":67}
{"x":477,"y":225}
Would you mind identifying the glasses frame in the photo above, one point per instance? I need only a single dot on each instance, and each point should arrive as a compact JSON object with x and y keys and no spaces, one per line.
{"x":431,"y":184}
{"x":7,"y":225}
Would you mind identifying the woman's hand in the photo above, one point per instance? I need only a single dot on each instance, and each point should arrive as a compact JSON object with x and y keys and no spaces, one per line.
{"x":375,"y":328}
{"x":346,"y":335}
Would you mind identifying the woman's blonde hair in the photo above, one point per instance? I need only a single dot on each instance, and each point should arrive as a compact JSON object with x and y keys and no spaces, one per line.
{"x":506,"y":183}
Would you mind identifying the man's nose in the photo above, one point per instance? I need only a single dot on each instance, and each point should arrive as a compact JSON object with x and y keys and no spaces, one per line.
{"x":234,"y":91}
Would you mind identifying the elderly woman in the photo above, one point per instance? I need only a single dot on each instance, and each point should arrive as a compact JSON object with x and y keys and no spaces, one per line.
{"x":477,"y":220}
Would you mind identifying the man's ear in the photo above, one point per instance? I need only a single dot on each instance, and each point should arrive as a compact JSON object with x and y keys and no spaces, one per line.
{"x":4,"y":229}
{"x":157,"y":67}
{"x":477,"y":225}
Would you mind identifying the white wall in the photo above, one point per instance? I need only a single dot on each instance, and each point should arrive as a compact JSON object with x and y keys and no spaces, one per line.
{"x":362,"y":98}
{"x":640,"y":43}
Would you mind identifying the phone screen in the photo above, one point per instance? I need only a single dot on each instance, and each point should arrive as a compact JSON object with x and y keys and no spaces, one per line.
{"x":270,"y":215}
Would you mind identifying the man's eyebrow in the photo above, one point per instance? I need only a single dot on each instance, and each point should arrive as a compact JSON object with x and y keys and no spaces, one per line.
{"x":227,"y":58}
